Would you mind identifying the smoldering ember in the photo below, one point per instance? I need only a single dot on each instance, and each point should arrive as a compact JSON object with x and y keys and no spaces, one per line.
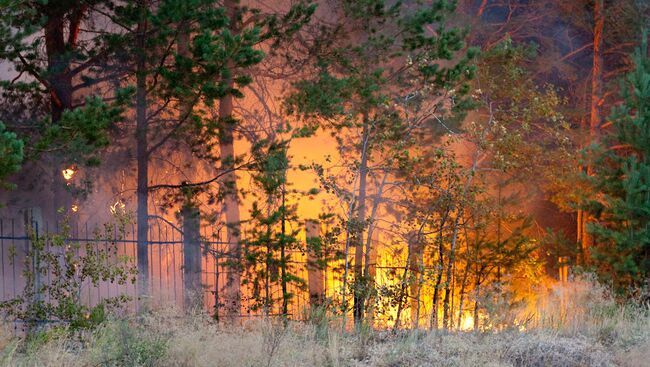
{"x":324,"y":183}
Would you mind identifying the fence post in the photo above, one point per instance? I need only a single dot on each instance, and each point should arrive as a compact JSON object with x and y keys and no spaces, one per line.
{"x":33,"y":219}
{"x":314,"y":267}
{"x":193,"y":292}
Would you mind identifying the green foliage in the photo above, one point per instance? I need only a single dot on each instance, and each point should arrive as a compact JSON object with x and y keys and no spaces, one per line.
{"x":11,"y":154}
{"x":268,"y":247}
{"x":121,"y":343}
{"x":82,"y":132}
{"x":526,"y":119}
{"x":621,"y":177}
{"x":45,"y":72}
{"x":382,"y":86}
{"x":56,"y":270}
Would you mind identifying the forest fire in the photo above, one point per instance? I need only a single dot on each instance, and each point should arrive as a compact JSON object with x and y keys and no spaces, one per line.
{"x":380,"y":165}
{"x":68,"y":173}
{"x":117,"y":208}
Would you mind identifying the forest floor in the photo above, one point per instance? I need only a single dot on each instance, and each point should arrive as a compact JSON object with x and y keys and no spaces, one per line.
{"x":597,"y":333}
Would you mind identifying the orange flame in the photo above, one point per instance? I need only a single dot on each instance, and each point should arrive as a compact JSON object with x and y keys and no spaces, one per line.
{"x":68,"y":173}
{"x":117,"y":206}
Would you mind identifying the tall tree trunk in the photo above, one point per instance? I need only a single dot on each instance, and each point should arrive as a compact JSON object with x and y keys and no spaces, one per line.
{"x":416,"y":271}
{"x":193,"y":289}
{"x":360,"y":293}
{"x":369,"y":262}
{"x":595,"y":118}
{"x":448,"y":274}
{"x":481,"y":8}
{"x":348,"y":242}
{"x":436,"y":286}
{"x":463,"y":283}
{"x":231,"y":209}
{"x":315,"y":276}
{"x":283,"y":258}
{"x":402,"y":297}
{"x":60,"y":84}
{"x":477,"y":291}
{"x":229,"y":185}
{"x":142,"y":157}
{"x":597,"y":70}
{"x":57,"y":65}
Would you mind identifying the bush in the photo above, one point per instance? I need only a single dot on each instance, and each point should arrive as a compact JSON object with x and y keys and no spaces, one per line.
{"x":123,"y":343}
{"x":71,"y":266}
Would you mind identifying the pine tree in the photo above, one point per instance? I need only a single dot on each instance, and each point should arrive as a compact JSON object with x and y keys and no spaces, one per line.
{"x":266,"y":252}
{"x":11,"y":154}
{"x":56,"y":58}
{"x":621,"y":177}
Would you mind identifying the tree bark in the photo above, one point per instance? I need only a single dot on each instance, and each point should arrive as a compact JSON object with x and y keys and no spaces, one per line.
{"x":232,"y":304}
{"x":192,"y":258}
{"x":436,"y":287}
{"x":367,"y":263}
{"x":315,"y":275}
{"x":404,"y":289}
{"x":416,"y":271}
{"x":448,"y":274}
{"x":370,"y":254}
{"x":142,"y":157}
{"x":463,"y":283}
{"x":595,"y":118}
{"x":360,"y":283}
{"x":477,"y":290}
{"x":60,"y":87}
{"x":283,"y":258}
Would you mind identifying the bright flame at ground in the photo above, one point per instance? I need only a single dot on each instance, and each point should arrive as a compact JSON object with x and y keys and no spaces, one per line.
{"x":75,"y":208}
{"x":468,"y":323}
{"x":68,"y":173}
{"x":118,"y":206}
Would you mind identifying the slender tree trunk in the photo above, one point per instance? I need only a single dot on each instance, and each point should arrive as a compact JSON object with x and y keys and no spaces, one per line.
{"x":597,"y":70}
{"x":283,"y":259}
{"x":371,"y":227}
{"x":369,"y":261}
{"x":267,"y":265}
{"x":453,"y":299}
{"x":448,"y":275}
{"x":360,"y":283}
{"x":414,"y":265}
{"x":436,"y":287}
{"x":60,"y":84}
{"x":481,"y":8}
{"x":231,"y":192}
{"x":595,"y":118}
{"x":142,"y":157}
{"x":499,"y":232}
{"x":463,"y":284}
{"x":403,"y":291}
{"x":58,"y":77}
{"x":454,"y":240}
{"x":193,"y":291}
{"x":315,"y":277}
{"x":477,"y":290}
{"x":418,"y":298}
{"x":348,"y":240}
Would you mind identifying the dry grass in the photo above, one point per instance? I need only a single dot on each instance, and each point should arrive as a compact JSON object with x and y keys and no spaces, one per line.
{"x":584,"y":328}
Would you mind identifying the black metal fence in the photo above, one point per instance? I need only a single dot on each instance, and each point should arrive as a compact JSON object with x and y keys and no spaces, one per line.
{"x":165,"y":266}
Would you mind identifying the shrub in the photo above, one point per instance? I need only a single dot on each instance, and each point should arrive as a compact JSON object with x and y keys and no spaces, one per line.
{"x":123,"y":343}
{"x":71,"y":265}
